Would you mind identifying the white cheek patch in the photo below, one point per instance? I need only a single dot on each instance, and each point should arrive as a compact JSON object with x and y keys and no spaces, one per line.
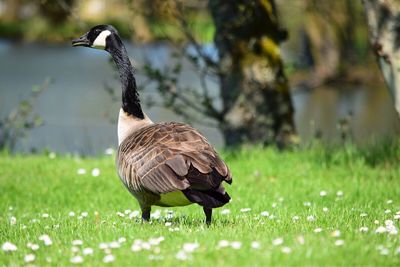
{"x":100,"y":41}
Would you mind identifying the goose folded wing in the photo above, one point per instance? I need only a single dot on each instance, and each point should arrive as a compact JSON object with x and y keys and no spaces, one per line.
{"x":197,"y":170}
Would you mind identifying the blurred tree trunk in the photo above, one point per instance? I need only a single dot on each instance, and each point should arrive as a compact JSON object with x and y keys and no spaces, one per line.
{"x":383,"y":19}
{"x":139,"y":23}
{"x":12,"y":9}
{"x":254,"y":89}
{"x":331,"y":29}
{"x":56,"y":12}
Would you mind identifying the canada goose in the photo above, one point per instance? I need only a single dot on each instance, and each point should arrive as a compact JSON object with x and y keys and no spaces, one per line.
{"x":164,"y":164}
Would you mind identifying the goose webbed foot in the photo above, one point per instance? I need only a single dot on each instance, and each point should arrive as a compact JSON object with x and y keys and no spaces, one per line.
{"x":208,"y":213}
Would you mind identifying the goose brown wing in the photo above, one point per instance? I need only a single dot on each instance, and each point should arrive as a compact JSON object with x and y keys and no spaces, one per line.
{"x":167,"y":157}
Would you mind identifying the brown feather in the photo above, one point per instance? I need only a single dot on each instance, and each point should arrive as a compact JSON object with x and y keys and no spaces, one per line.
{"x":166,"y":157}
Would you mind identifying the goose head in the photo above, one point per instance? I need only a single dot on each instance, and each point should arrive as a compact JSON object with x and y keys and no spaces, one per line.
{"x":103,"y":37}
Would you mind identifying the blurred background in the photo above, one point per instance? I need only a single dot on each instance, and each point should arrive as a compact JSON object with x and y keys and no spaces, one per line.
{"x":259,"y":71}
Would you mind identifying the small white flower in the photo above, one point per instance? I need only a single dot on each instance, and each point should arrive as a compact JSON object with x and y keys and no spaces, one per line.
{"x":318,"y":230}
{"x":34,"y":246}
{"x":77,"y":242}
{"x":376,"y":222}
{"x":295,"y":218}
{"x":134,"y":214}
{"x":71,"y":214}
{"x":52,"y":155}
{"x":114,"y":244}
{"x":255,"y":245}
{"x":388,"y":222}
{"x":126,"y":212}
{"x":146,"y":245}
{"x":310,"y":218}
{"x":274,"y":205}
{"x":95,"y":172}
{"x":322,"y":193}
{"x":120,"y":214}
{"x":388,"y":211}
{"x":168,"y":224}
{"x":76,"y":259}
{"x":74,"y":249}
{"x":277,"y":241}
{"x":84,"y":214}
{"x":223,"y":244}
{"x":87,"y":251}
{"x":286,"y":250}
{"x":300,"y":239}
{"x":13,"y":220}
{"x":225,"y":211}
{"x":181,"y":255}
{"x":281,"y":199}
{"x":136,"y":247}
{"x":363,"y":229}
{"x":109,"y":151}
{"x":391,"y":228}
{"x":190,"y":247}
{"x":156,"y":241}
{"x":156,"y":215}
{"x":121,"y":240}
{"x":10,"y":208}
{"x":81,"y":171}
{"x":245,"y":210}
{"x":389,"y":201}
{"x":108,"y":258}
{"x":307,"y":204}
{"x":397,"y":217}
{"x":29,"y":258}
{"x":397,"y":251}
{"x":264,"y":213}
{"x":336,"y":233}
{"x":384,"y":251}
{"x":103,"y":245}
{"x":46,"y":240}
{"x":236,"y":244}
{"x":380,"y":230}
{"x":8,"y":246}
{"x":271,"y":217}
{"x":339,"y":242}
{"x":325,"y":209}
{"x":339,"y":193}
{"x":363,"y":215}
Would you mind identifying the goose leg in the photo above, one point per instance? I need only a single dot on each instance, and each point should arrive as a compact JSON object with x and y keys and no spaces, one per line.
{"x":208,"y":213}
{"x":146,"y":214}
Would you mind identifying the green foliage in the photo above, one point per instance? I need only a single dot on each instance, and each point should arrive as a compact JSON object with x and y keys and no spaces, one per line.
{"x":286,"y":184}
{"x":21,"y":119}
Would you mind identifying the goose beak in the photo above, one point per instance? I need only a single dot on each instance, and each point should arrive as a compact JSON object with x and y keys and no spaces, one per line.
{"x":81,"y":41}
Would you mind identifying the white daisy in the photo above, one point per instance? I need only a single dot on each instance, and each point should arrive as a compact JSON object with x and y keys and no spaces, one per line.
{"x":277,"y":241}
{"x":108,"y":258}
{"x":95,"y":172}
{"x":8,"y":246}
{"x":76,"y":259}
{"x":29,"y":258}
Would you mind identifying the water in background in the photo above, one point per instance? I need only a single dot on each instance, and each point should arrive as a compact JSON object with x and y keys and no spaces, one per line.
{"x":78,"y":112}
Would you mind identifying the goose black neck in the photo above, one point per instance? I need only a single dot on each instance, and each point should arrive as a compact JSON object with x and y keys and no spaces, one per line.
{"x":130,"y":96}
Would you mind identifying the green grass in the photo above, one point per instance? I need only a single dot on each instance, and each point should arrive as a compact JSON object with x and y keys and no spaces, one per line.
{"x":264,"y":180}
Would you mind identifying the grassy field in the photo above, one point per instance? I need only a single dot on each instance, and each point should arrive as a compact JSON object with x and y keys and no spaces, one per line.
{"x":315,"y":207}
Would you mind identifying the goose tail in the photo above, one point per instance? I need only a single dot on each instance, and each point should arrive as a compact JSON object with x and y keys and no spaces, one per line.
{"x":207,"y":198}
